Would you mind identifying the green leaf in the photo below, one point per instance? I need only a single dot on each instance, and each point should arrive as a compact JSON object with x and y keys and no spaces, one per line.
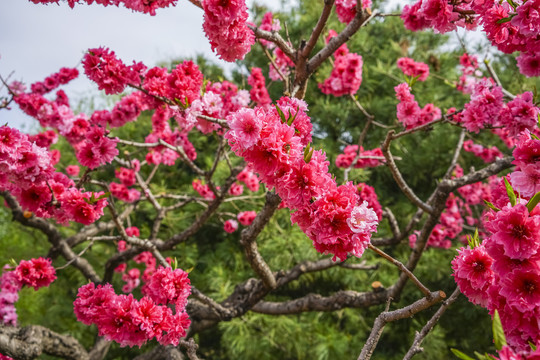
{"x":482,"y":356}
{"x":533,"y":347}
{"x":281,"y":114}
{"x":491,"y":206}
{"x":461,"y":355}
{"x":104,"y":196}
{"x":535,"y":137}
{"x":533,"y":202}
{"x":510,"y":192}
{"x":306,"y":150}
{"x":498,"y":332}
{"x":474,"y":240}
{"x":512,"y":3}
{"x":504,"y":20}
{"x":307,"y":158}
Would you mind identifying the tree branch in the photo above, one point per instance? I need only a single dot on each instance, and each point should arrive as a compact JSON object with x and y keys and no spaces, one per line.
{"x":389,"y":316}
{"x":32,"y":341}
{"x":274,"y":37}
{"x":315,"y":302}
{"x":398,"y":177}
{"x":250,"y":234}
{"x":419,"y":337}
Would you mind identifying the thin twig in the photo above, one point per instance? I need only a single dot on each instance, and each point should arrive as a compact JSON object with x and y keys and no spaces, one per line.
{"x":398,"y":177}
{"x":455,"y":158}
{"x":419,"y":337}
{"x":278,"y":70}
{"x":400,"y":266}
{"x":493,"y":74}
{"x":389,"y":316}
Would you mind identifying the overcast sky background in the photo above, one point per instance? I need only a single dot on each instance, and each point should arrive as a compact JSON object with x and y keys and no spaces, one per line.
{"x":36,"y":40}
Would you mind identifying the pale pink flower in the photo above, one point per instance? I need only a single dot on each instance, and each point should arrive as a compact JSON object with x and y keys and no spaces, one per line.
{"x":363,"y":219}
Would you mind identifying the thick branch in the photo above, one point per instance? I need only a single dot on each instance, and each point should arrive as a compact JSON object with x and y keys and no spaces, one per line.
{"x":315,"y":302}
{"x":32,"y":341}
{"x":304,"y":72}
{"x":361,"y":19}
{"x":246,"y":295}
{"x":161,"y":352}
{"x":249,"y":235}
{"x":306,"y":51}
{"x":479,"y":175}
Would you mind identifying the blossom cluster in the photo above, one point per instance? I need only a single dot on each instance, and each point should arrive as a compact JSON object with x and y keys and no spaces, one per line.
{"x":487,"y":154}
{"x":36,"y":273}
{"x":346,"y":9}
{"x":526,"y":178}
{"x":273,"y":141}
{"x":501,"y":273}
{"x":268,"y":23}
{"x":281,"y":64}
{"x":110,"y":74}
{"x":52,"y":81}
{"x":510,"y":26}
{"x":147,"y":7}
{"x":448,"y":228}
{"x":203,"y":189}
{"x":127,"y":178}
{"x":346,"y":75}
{"x":230,"y":226}
{"x":87,"y":135}
{"x":132,"y":277}
{"x":246,"y":217}
{"x":9,"y":294}
{"x":132,"y":322}
{"x":366,"y":158}
{"x":409,"y":112}
{"x":487,"y":109}
{"x":249,"y":178}
{"x":258,"y":91}
{"x":226,"y":28}
{"x":219,"y":100}
{"x":27,"y":173}
{"x":413,"y":69}
{"x":469,"y":73}
{"x":183,"y":84}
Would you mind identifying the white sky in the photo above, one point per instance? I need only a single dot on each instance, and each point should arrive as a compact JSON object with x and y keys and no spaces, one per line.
{"x":37,"y":40}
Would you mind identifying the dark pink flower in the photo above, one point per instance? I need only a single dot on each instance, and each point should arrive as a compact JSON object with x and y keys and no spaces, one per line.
{"x":473,"y":273}
{"x":36,"y":273}
{"x":230,"y":226}
{"x":246,"y":217}
{"x":516,"y":231}
{"x":521,"y":288}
